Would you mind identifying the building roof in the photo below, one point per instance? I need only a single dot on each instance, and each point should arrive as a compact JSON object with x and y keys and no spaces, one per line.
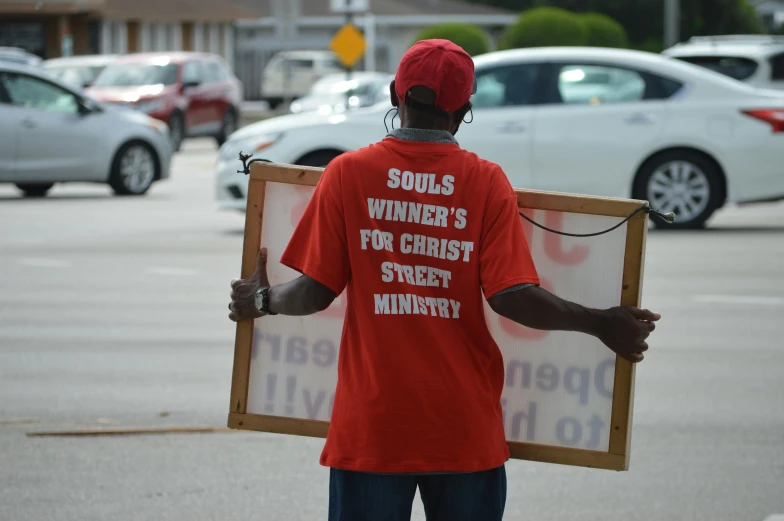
{"x":180,"y":10}
{"x":321,"y":8}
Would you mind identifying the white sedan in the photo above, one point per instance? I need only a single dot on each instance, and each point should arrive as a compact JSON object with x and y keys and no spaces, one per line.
{"x":582,"y":120}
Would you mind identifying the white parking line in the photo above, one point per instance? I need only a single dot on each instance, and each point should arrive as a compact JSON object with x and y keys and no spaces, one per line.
{"x":775,"y":517}
{"x":739,"y":299}
{"x":168,"y":271}
{"x":43,"y":263}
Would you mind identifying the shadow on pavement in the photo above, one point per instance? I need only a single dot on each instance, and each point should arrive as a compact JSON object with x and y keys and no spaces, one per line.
{"x":773,"y":229}
{"x":83,"y":197}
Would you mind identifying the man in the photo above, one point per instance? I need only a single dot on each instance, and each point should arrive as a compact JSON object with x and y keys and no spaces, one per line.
{"x":416,"y":230}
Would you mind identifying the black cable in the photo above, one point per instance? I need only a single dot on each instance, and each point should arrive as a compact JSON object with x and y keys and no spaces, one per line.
{"x":246,"y":164}
{"x":669,"y":218}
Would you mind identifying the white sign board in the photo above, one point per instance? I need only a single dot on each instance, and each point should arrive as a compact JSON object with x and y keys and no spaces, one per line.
{"x":559,"y":389}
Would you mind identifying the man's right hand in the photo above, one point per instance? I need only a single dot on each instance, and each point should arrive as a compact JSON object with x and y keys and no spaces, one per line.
{"x":625,"y":329}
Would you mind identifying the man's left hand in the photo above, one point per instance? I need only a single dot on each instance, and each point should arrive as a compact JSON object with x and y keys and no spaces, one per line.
{"x":243,"y":291}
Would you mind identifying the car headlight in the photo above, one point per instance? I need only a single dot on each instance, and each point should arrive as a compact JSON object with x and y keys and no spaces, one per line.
{"x":150,"y":106}
{"x":231,"y":149}
{"x":158,"y":126}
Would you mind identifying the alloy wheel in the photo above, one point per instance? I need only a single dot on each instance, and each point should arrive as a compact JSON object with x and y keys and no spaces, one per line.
{"x":137,"y":168}
{"x":680,"y":187}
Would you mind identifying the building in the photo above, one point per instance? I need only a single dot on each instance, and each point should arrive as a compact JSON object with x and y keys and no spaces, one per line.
{"x":390,"y":26}
{"x":771,"y":12}
{"x":57,"y":28}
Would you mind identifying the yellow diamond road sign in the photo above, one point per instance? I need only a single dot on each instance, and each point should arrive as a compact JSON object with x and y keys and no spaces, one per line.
{"x":349,"y":45}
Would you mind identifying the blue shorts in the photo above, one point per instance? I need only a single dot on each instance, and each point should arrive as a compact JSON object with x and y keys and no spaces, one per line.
{"x":360,"y":496}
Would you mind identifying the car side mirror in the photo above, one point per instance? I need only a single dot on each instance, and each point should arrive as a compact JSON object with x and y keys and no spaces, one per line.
{"x":190,"y":84}
{"x":87,"y":107}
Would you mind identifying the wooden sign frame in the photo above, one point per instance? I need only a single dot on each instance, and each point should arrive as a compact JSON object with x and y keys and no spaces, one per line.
{"x":616,"y":458}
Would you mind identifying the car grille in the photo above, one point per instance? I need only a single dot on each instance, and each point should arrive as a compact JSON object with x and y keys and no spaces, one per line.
{"x":235,"y":191}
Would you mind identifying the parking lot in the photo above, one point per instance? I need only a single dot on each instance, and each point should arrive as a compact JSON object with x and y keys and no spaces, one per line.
{"x":113,"y":315}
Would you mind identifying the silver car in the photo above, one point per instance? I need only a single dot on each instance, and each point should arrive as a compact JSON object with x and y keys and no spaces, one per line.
{"x":78,"y":71}
{"x":50,"y":133}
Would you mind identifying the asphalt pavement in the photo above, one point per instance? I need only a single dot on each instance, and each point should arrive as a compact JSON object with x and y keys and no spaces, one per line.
{"x":113,"y":314}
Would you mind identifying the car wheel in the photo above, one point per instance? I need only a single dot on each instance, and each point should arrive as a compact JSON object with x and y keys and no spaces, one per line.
{"x":34,"y":190}
{"x":318,"y":159}
{"x":176,"y":130}
{"x":134,"y":169}
{"x":228,"y":127}
{"x":685,"y":183}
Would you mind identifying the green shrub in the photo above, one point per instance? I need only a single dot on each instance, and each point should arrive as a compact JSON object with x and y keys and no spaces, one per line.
{"x":470,"y":37}
{"x":545,"y":27}
{"x":603,"y":31}
{"x":655,"y":45}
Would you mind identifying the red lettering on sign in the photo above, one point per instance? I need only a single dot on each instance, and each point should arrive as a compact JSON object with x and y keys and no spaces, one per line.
{"x":553,"y":243}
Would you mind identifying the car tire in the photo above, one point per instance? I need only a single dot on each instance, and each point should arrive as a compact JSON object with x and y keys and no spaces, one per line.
{"x":134,"y":169}
{"x":228,"y":126}
{"x":176,"y":130}
{"x":274,"y":103}
{"x":318,"y":159}
{"x":686,"y":183}
{"x":34,"y":189}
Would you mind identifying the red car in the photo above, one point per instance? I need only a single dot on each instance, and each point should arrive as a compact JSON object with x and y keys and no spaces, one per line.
{"x":196,"y":94}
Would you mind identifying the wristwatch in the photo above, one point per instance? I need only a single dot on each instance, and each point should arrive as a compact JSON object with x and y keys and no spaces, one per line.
{"x":262,"y":301}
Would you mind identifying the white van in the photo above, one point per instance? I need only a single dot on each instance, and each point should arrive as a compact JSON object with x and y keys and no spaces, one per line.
{"x":290,"y":74}
{"x":754,"y":59}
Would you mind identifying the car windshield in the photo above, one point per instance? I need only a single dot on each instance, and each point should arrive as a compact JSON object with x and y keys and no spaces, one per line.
{"x":133,"y":74}
{"x":77,"y":76}
{"x":738,"y":68}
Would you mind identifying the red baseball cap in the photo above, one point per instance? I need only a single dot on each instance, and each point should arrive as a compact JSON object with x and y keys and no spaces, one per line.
{"x":441,"y":66}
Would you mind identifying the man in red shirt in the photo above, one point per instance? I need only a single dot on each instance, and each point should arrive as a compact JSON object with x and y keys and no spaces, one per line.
{"x":418,"y":232}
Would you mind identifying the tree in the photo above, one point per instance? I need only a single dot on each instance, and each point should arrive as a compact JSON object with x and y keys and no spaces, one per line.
{"x":545,"y":27}
{"x":470,"y":37}
{"x":603,"y":31}
{"x":644,"y":19}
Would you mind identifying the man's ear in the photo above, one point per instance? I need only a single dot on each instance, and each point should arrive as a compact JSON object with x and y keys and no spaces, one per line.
{"x":460,"y":113}
{"x":458,"y":116}
{"x":393,"y":95}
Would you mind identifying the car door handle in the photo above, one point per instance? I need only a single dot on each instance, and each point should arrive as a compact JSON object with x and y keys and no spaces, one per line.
{"x":640,"y":118}
{"x":511,"y":127}
{"x":28,"y":123}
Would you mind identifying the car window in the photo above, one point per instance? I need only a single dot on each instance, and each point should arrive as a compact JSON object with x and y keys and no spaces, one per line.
{"x":298,"y":63}
{"x":667,"y":87}
{"x":135,"y":74}
{"x":333,"y":63}
{"x":77,"y":76}
{"x":193,"y":72}
{"x":597,"y":84}
{"x":777,"y":67}
{"x":214,"y":72}
{"x":734,"y":67}
{"x":34,"y":93}
{"x":511,"y":85}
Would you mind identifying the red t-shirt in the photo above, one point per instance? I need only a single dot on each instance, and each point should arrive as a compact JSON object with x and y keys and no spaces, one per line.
{"x":415,"y":232}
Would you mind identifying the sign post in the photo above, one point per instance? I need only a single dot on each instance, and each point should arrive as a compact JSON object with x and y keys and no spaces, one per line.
{"x":349,"y":42}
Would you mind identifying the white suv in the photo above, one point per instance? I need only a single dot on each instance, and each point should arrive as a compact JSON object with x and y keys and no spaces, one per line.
{"x":291,"y":74}
{"x":754,"y":59}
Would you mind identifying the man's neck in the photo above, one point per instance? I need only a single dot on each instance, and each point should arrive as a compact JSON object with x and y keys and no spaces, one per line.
{"x":423,"y":135}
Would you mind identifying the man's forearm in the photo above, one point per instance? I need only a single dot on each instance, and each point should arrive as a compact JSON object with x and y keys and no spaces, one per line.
{"x":302,"y":296}
{"x":537,"y":308}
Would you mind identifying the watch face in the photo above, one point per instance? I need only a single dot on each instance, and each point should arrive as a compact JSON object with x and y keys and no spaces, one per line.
{"x":260,"y":301}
